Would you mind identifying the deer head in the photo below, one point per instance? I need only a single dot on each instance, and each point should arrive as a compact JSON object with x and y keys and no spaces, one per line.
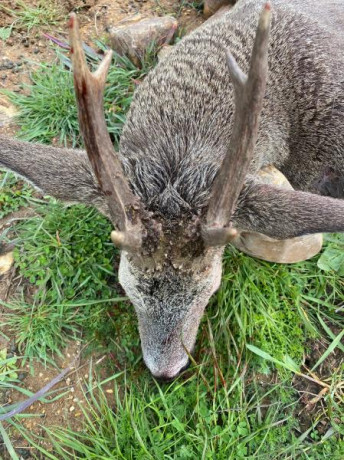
{"x":170,"y":268}
{"x":170,"y":271}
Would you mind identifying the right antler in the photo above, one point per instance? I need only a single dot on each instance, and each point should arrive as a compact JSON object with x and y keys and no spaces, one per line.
{"x":123,"y":204}
{"x":249,"y":93}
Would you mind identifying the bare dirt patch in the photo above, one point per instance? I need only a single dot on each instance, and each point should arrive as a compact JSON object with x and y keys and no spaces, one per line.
{"x":312,"y":406}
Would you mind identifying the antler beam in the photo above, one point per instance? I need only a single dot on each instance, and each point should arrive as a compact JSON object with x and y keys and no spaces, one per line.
{"x":89,"y":88}
{"x":249,"y":94}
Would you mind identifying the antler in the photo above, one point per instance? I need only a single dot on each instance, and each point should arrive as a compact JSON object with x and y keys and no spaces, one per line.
{"x":249,"y":93}
{"x":89,"y":88}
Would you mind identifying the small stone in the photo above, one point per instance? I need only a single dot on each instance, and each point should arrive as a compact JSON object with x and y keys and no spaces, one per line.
{"x":133,"y":36}
{"x":71,"y":409}
{"x":23,"y":452}
{"x":22,"y":375}
{"x":6,"y":260}
{"x":6,"y":64}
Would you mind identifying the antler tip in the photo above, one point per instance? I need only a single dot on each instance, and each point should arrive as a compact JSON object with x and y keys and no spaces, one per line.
{"x":72,"y":20}
{"x":131,"y":240}
{"x":118,"y":238}
{"x":265,"y":16}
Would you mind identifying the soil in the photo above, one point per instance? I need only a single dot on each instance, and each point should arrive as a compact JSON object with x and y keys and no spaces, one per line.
{"x":21,"y":53}
{"x":311,"y":405}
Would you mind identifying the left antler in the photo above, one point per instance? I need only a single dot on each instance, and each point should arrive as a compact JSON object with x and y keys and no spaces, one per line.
{"x":89,"y":87}
{"x":249,"y":93}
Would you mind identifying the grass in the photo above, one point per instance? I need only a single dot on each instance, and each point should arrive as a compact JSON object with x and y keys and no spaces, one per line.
{"x":44,"y":13}
{"x":14,"y":194}
{"x":65,"y":253}
{"x":5,"y":33}
{"x":48,"y":110}
{"x":176,"y":10}
{"x":239,"y":400}
{"x":8,"y":366}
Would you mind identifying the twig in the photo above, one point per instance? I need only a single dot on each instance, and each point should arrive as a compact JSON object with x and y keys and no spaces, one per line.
{"x":23,"y":405}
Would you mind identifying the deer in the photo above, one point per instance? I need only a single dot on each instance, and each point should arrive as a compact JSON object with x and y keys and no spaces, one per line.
{"x":261,"y":86}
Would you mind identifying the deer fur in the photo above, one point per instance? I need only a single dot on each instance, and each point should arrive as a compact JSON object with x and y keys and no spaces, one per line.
{"x":174,"y":141}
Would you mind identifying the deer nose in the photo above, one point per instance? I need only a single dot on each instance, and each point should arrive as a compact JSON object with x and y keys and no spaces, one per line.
{"x":167,"y":375}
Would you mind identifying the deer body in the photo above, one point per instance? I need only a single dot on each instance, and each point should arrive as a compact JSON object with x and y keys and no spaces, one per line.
{"x":181,"y":117}
{"x":176,"y":141}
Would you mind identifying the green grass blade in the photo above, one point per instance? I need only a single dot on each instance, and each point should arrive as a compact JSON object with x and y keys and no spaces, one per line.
{"x":329,"y":332}
{"x":330,"y":349}
{"x":8,"y":443}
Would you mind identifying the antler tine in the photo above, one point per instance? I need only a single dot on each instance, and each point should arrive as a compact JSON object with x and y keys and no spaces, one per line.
{"x":249,"y":93}
{"x":89,"y":88}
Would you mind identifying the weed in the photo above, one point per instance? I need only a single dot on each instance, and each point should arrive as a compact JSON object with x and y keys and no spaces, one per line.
{"x":40,"y":329}
{"x":224,"y":407}
{"x":177,"y":9}
{"x":5,"y":32}
{"x":49,"y":111}
{"x":14,"y":193}
{"x":8,"y":367}
{"x":46,"y":13}
{"x":184,"y":421}
{"x":332,"y":259}
{"x":195,"y":4}
{"x":65,"y":252}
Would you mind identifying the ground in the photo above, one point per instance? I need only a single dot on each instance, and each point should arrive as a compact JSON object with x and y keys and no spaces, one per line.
{"x":230,"y":382}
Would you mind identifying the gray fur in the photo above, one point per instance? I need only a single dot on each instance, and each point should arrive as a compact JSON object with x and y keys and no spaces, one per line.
{"x":65,"y":174}
{"x":179,"y":124}
{"x":175,"y":138}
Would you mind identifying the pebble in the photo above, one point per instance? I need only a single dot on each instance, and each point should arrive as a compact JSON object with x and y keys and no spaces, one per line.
{"x":133,"y":36}
{"x":7,"y":64}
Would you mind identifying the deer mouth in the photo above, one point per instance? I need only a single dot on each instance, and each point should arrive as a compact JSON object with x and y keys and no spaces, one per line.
{"x":166,"y":377}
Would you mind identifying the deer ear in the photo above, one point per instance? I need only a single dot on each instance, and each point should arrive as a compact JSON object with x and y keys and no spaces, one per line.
{"x":281,"y":214}
{"x":62,"y":173}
